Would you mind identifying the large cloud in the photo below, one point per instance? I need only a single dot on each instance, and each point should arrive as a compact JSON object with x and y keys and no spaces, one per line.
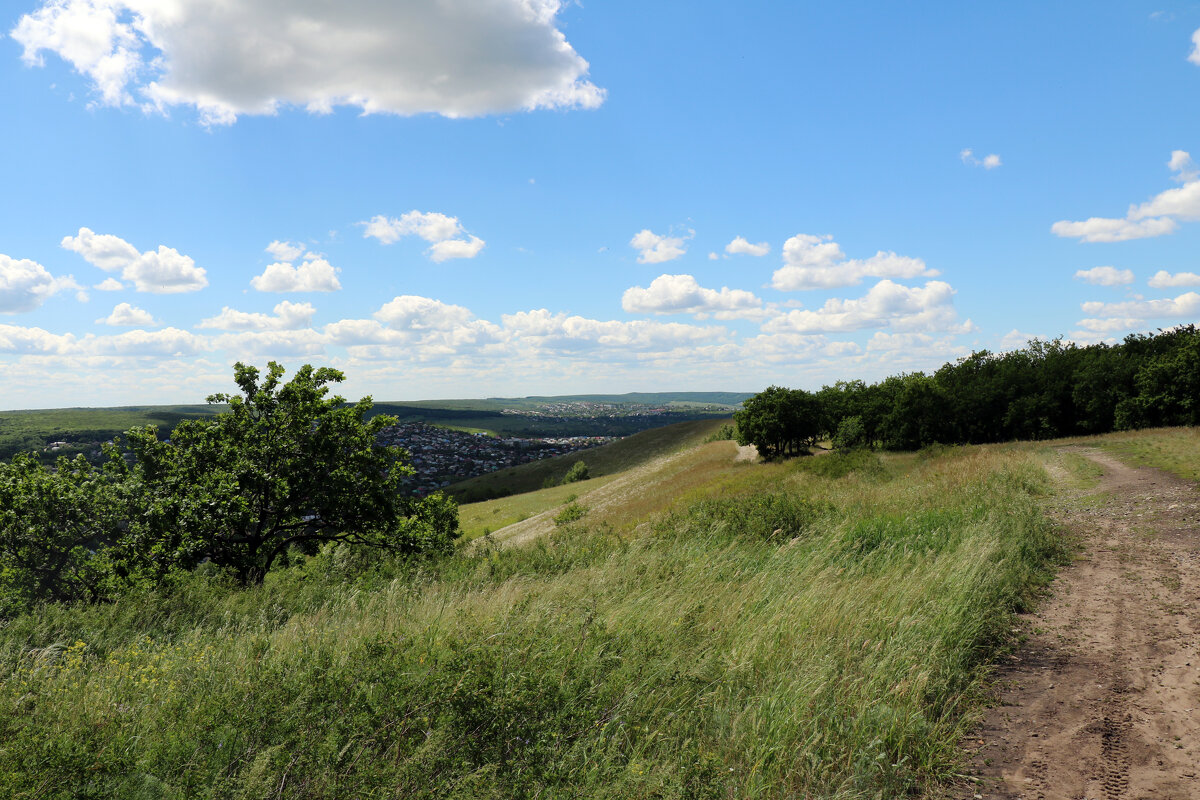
{"x":1157,"y":216}
{"x":161,"y":271}
{"x":886,"y":304}
{"x":444,"y":233}
{"x":25,"y":284}
{"x":817,"y":262}
{"x":681,"y":294}
{"x":456,"y":58}
{"x":313,"y":274}
{"x":288,"y":317}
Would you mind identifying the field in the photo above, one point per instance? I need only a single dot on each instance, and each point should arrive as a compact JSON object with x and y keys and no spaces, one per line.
{"x":817,"y":628}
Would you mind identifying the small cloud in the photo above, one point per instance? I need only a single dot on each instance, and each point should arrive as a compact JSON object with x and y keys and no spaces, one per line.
{"x":285,"y":251}
{"x":125,"y":315}
{"x":713,"y":256}
{"x":1106,"y":276}
{"x":740,"y":246}
{"x":655,"y":249}
{"x":1165,"y":280}
{"x":109,"y":285}
{"x":445,"y":234}
{"x":990,"y":161}
{"x":161,"y":271}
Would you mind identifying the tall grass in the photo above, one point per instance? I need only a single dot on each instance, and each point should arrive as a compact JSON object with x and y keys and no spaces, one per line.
{"x":802,"y":636}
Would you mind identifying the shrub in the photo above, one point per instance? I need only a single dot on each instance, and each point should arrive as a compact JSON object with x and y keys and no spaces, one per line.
{"x":577,"y":472}
{"x":572,"y":512}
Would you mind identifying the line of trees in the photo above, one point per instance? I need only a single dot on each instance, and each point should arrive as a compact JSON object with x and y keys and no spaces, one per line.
{"x":287,"y":468}
{"x":1045,"y":390}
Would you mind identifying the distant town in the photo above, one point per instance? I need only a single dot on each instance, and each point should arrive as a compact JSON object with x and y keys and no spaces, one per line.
{"x":442,"y":456}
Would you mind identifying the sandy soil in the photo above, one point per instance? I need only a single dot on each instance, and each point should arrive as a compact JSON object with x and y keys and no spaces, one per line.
{"x":1103,"y":700}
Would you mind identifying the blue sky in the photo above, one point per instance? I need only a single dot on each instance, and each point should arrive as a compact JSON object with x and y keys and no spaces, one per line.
{"x":508,"y":197}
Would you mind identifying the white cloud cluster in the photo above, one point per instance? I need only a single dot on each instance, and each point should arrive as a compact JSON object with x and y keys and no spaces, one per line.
{"x":1194,"y":56}
{"x":681,"y":294}
{"x":125,"y":315}
{"x":25,"y":284}
{"x":168,"y":342}
{"x":817,"y":262}
{"x":288,"y":317}
{"x":1165,"y":280}
{"x":655,"y":249}
{"x":1185,"y":305}
{"x":886,"y":304}
{"x":559,"y":332}
{"x":1157,"y":216}
{"x":990,"y":161}
{"x":161,"y":271}
{"x":740,"y":246}
{"x":444,"y":233}
{"x":254,"y":56}
{"x":1105,"y":276}
{"x":312,"y":274}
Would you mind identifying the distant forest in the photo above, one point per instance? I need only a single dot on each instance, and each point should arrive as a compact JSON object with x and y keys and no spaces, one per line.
{"x":1046,"y":390}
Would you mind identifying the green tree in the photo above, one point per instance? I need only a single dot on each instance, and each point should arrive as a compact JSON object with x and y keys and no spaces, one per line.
{"x":577,"y":472}
{"x":779,"y":421}
{"x":287,"y":466}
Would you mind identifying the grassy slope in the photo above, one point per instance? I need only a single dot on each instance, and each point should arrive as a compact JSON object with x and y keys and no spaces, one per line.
{"x":696,"y":657}
{"x":32,"y":430}
{"x":602,"y":461}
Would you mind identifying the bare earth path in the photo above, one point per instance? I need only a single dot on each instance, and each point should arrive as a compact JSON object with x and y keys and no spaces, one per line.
{"x":1103,"y":701}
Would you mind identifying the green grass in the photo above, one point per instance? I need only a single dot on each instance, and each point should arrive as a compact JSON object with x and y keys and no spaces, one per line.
{"x":479,"y":519}
{"x":785,"y":634}
{"x":1175,"y":450}
{"x":601,"y":461}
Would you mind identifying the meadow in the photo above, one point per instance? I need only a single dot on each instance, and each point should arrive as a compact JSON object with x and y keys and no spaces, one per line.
{"x":816,"y":628}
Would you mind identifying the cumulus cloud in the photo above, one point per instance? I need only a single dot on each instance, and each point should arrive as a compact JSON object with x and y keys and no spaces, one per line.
{"x":166,"y":342}
{"x":681,"y":294}
{"x":25,"y":284}
{"x":412,"y":312}
{"x":109,"y":285}
{"x":1185,"y":305}
{"x":990,"y":161}
{"x":1105,"y":276}
{"x":313,"y":274}
{"x":560,"y":332}
{"x":817,"y":262}
{"x":739,"y":246}
{"x":161,"y":271}
{"x":288,"y":317}
{"x":444,"y":233}
{"x":126,"y":315}
{"x":655,"y":249}
{"x":1194,"y":56}
{"x":1157,"y":216}
{"x":1165,"y":280}
{"x":19,"y":340}
{"x":255,"y":56}
{"x":886,"y":304}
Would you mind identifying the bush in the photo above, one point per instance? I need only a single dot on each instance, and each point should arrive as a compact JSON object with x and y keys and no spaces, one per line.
{"x":577,"y":472}
{"x":572,"y":512}
{"x":851,"y":434}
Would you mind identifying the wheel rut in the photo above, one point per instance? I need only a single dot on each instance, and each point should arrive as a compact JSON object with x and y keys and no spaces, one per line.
{"x":1102,"y":700}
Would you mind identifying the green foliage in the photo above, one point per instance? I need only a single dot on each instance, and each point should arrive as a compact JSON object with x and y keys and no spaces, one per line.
{"x":571,"y":512}
{"x":841,"y":463}
{"x":779,"y":422}
{"x":577,"y":472}
{"x":766,"y":516}
{"x":850,"y":434}
{"x":725,"y":433}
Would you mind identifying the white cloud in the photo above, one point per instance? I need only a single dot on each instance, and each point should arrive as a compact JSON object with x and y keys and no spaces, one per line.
{"x":167,"y":342}
{"x":1165,"y":280}
{"x":655,"y":249}
{"x":25,"y":285}
{"x":438,"y":229}
{"x":886,"y":304}
{"x":740,"y":246}
{"x":455,"y":248}
{"x":990,"y":161}
{"x":288,"y":317}
{"x":560,"y":332}
{"x":161,"y":271}
{"x":411,"y":312}
{"x":681,"y":294}
{"x":254,"y":56}
{"x":126,"y":315}
{"x":312,"y":275}
{"x":1194,"y":56}
{"x":1015,"y":340}
{"x":1105,"y":276}
{"x":817,"y":262}
{"x":285,"y":251}
{"x":109,"y":285}
{"x":258,"y":345}
{"x":1185,"y":305}
{"x":22,"y":341}
{"x":1158,"y":216}
{"x":1109,"y":325}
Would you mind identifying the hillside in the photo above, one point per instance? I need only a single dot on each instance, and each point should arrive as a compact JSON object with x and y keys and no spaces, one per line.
{"x":601,"y":461}
{"x":716,"y":628}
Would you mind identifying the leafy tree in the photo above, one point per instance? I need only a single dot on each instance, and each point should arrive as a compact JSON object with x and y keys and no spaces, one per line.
{"x":779,"y":421}
{"x":56,"y":527}
{"x":577,"y":472}
{"x":287,"y":466}
{"x":850,"y":434}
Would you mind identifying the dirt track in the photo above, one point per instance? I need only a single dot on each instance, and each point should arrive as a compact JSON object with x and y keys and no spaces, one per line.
{"x":1103,"y":701}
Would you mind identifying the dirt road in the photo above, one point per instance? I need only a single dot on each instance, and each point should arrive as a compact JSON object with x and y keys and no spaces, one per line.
{"x":1103,"y":701}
